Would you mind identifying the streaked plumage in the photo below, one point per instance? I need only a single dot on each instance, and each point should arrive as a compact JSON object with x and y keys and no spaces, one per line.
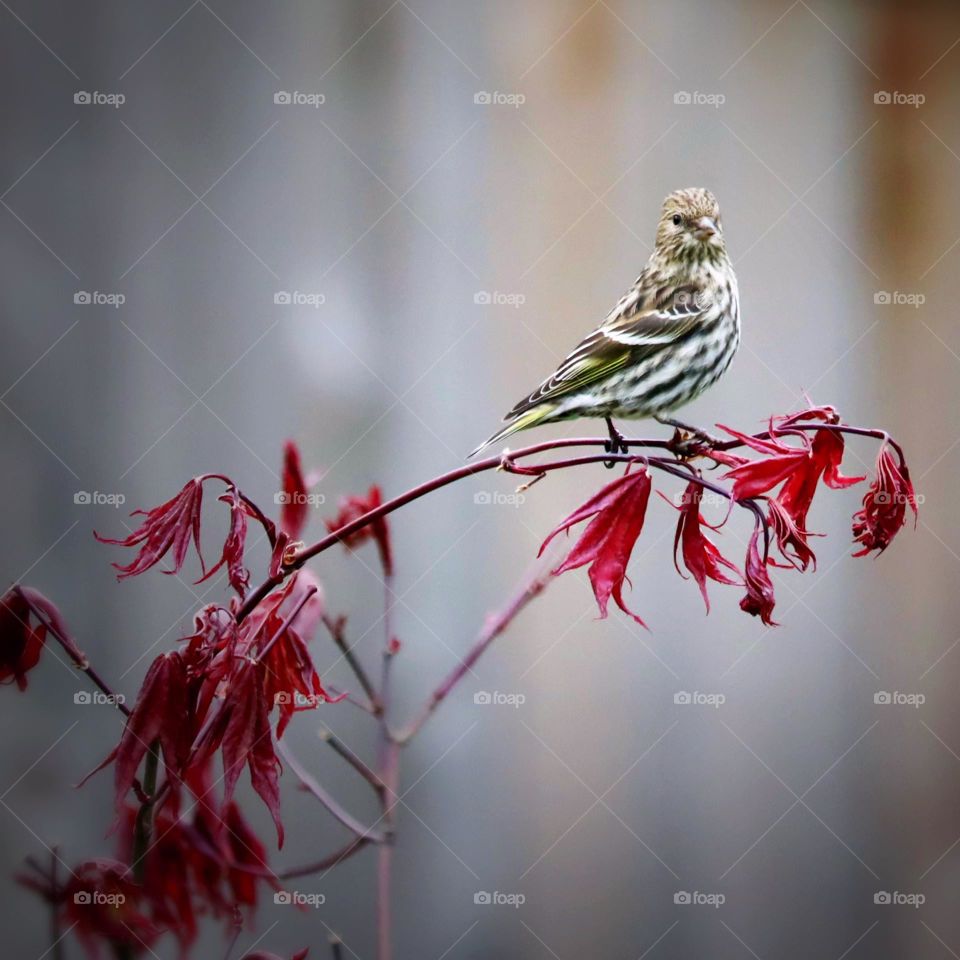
{"x":670,"y":337}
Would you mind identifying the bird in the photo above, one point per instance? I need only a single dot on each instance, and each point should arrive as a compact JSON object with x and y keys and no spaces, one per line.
{"x":671,"y":336}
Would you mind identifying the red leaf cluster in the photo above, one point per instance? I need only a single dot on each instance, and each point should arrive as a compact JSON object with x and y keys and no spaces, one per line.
{"x":104,"y":906}
{"x":800,"y":468}
{"x":351,"y":508}
{"x":211,"y":864}
{"x":617,"y":513}
{"x":216,"y":692}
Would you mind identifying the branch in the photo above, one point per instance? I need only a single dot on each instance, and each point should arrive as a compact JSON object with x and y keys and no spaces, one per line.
{"x":673,"y":466}
{"x":344,"y":751}
{"x":336,"y":630}
{"x":494,"y":626}
{"x":42,"y":610}
{"x":314,"y":788}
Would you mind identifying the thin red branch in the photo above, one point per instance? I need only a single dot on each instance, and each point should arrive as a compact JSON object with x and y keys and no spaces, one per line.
{"x":314,"y":788}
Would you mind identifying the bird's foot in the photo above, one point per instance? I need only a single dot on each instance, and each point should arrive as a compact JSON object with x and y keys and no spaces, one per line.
{"x":688,"y":441}
{"x":615,"y":445}
{"x":687,"y":444}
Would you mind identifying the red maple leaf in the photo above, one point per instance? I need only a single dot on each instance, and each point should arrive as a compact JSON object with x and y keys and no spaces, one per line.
{"x":700,"y":555}
{"x":759,"y":599}
{"x":295,"y":505}
{"x":618,"y":512}
{"x":168,"y":527}
{"x":21,"y":642}
{"x":885,"y":503}
{"x":353,"y":507}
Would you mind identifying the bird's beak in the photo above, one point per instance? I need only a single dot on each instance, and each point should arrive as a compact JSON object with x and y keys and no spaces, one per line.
{"x":706,"y":227}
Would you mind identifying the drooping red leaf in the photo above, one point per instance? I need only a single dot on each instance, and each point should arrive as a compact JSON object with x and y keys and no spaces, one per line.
{"x":759,"y":599}
{"x":169,"y":527}
{"x":21,"y":642}
{"x":353,"y":507}
{"x":161,"y":713}
{"x":756,"y":477}
{"x":700,"y":555}
{"x":825,"y":455}
{"x":791,"y":540}
{"x":232,"y":554}
{"x":885,"y":503}
{"x":246,"y":740}
{"x":295,"y":505}
{"x":618,"y":512}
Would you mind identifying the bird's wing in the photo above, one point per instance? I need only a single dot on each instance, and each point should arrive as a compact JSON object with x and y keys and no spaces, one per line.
{"x":635,"y":330}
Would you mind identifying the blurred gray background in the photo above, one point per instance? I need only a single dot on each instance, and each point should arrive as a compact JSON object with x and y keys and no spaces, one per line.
{"x":399,"y":200}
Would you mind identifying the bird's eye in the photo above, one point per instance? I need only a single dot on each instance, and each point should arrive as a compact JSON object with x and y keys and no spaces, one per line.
{"x":677,"y":219}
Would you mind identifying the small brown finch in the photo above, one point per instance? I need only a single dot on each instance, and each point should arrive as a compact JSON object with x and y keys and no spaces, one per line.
{"x":671,"y":336}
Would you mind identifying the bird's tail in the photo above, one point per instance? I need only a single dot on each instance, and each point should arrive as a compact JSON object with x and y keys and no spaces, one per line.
{"x":528,"y":419}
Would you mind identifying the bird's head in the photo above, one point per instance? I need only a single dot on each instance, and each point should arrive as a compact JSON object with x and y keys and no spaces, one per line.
{"x":689,"y":228}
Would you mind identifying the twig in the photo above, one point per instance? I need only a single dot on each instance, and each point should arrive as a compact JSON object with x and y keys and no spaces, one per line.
{"x":494,"y":626}
{"x":314,"y":788}
{"x":336,"y":630}
{"x":59,"y":632}
{"x":344,"y":751}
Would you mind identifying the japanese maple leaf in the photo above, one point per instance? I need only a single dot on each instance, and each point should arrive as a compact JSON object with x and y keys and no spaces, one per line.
{"x":885,"y":503}
{"x":700,"y":555}
{"x":825,"y":455}
{"x":759,"y":599}
{"x":295,"y":506}
{"x":21,"y":642}
{"x":756,"y":477}
{"x":379,"y":531}
{"x":233,"y":546}
{"x":617,"y":512}
{"x":169,"y":527}
{"x":162,"y":713}
{"x":242,"y":733}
